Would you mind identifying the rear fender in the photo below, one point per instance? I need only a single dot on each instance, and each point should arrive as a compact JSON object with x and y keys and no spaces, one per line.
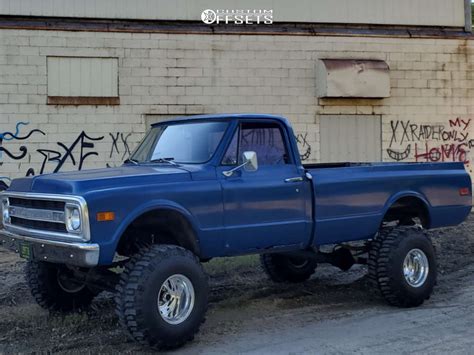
{"x":395,"y":197}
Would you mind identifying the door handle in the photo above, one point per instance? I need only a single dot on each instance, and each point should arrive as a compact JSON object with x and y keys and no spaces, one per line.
{"x":294,"y":179}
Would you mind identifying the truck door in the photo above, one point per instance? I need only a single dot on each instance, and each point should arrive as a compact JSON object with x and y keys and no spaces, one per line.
{"x":268,"y":207}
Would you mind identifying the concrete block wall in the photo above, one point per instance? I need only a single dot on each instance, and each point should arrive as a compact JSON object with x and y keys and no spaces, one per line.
{"x":427,"y":117}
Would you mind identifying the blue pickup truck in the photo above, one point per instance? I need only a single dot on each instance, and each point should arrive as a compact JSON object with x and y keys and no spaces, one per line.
{"x":224,"y":185}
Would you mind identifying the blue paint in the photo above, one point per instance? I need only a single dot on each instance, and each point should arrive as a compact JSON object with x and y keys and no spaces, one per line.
{"x":13,"y":135}
{"x":351,"y":202}
{"x":255,"y":211}
{"x":17,"y":136}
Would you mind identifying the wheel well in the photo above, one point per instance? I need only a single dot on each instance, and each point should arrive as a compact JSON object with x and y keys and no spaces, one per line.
{"x":406,"y":209}
{"x":160,"y":226}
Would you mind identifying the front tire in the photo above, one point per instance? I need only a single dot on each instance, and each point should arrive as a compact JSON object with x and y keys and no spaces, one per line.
{"x":283,"y":268}
{"x":54,"y":287}
{"x":162,"y":296}
{"x":402,"y":262}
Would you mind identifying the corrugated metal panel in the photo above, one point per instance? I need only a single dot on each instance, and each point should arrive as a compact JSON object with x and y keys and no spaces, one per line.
{"x":350,"y":138}
{"x":387,"y":12}
{"x":79,"y":76}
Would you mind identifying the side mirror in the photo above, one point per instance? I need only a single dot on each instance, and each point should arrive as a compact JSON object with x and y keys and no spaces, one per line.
{"x":250,"y":160}
{"x":250,"y":163}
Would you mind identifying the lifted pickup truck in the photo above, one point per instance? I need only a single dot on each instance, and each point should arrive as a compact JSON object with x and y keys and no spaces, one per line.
{"x":224,"y":185}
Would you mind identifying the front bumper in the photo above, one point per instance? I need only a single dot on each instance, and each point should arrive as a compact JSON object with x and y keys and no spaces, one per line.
{"x":78,"y":254}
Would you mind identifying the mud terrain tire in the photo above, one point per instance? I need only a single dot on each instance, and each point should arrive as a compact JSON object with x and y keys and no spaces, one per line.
{"x":43,"y":280}
{"x":139,"y":296}
{"x":394,"y":265}
{"x":282,"y":268}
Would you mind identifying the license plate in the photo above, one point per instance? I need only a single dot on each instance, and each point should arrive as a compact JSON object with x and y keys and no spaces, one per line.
{"x":25,"y":250}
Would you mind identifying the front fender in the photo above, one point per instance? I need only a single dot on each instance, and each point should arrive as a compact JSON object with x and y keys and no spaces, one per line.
{"x":108,"y":249}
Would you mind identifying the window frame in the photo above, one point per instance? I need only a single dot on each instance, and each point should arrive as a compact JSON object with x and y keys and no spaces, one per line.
{"x":278,"y":125}
{"x":238,"y":131}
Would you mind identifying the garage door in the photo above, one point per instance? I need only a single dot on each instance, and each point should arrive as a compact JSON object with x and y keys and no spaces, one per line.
{"x":350,"y":138}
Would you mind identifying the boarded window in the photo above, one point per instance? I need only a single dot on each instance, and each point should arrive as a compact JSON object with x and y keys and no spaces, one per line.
{"x":353,"y":78}
{"x":82,"y":81}
{"x":350,"y":138}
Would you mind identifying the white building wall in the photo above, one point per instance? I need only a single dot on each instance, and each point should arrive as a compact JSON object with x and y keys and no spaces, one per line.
{"x":427,"y":118}
{"x":386,"y":12}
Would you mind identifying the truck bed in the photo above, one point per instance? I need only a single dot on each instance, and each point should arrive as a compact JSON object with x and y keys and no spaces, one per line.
{"x":351,"y":199}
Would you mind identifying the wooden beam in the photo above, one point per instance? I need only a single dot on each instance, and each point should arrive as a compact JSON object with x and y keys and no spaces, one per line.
{"x":195,"y":27}
{"x":83,"y":100}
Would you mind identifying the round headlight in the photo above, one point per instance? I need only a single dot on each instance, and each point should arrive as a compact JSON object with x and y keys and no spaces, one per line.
{"x":74,"y":219}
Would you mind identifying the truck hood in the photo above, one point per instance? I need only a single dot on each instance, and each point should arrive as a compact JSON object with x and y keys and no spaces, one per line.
{"x":80,"y":182}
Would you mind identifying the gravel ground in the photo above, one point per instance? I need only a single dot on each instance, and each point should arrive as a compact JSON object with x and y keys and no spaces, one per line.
{"x":334,"y":312}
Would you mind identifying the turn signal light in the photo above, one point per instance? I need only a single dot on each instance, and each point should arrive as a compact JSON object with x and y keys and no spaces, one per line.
{"x":464,"y":191}
{"x":105,"y":216}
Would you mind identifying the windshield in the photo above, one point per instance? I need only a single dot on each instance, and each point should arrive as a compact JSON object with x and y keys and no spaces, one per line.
{"x":193,"y":142}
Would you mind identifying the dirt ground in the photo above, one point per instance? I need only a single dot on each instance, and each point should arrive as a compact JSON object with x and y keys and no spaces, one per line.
{"x":335,"y":312}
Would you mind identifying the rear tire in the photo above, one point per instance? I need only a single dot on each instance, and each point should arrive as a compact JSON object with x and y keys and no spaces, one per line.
{"x":55,"y":289}
{"x":282,"y":268}
{"x":162,"y":296}
{"x":402,"y":263}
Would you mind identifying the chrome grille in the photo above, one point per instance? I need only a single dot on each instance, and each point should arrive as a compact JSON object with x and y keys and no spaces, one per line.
{"x":37,"y":214}
{"x":44,"y":215}
{"x":40,"y":225}
{"x":38,"y":204}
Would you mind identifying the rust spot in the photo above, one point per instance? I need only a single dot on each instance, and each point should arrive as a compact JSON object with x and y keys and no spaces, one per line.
{"x":352,"y":101}
{"x":360,"y":64}
{"x":82,"y":100}
{"x":466,"y":52}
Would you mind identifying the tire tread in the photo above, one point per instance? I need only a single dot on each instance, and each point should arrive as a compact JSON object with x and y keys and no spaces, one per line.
{"x":140,"y":266}
{"x":38,"y":278}
{"x":380,"y":258}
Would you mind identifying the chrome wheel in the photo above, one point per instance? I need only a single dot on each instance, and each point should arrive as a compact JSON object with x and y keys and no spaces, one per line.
{"x":416,"y":268}
{"x":176,"y":299}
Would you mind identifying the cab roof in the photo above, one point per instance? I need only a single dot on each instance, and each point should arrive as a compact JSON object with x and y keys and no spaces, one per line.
{"x":224,"y":116}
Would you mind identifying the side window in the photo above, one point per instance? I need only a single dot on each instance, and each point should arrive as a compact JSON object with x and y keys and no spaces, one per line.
{"x":265,"y":139}
{"x":230,"y":157}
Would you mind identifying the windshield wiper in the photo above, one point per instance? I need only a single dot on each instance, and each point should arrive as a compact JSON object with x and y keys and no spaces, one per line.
{"x":131,"y":160}
{"x":164,"y":160}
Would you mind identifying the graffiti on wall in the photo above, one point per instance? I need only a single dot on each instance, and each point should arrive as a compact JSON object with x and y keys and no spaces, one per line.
{"x":9,"y":136}
{"x":120,"y":147}
{"x":303,"y":146}
{"x":76,"y":153}
{"x":430,"y":142}
{"x":54,"y":158}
